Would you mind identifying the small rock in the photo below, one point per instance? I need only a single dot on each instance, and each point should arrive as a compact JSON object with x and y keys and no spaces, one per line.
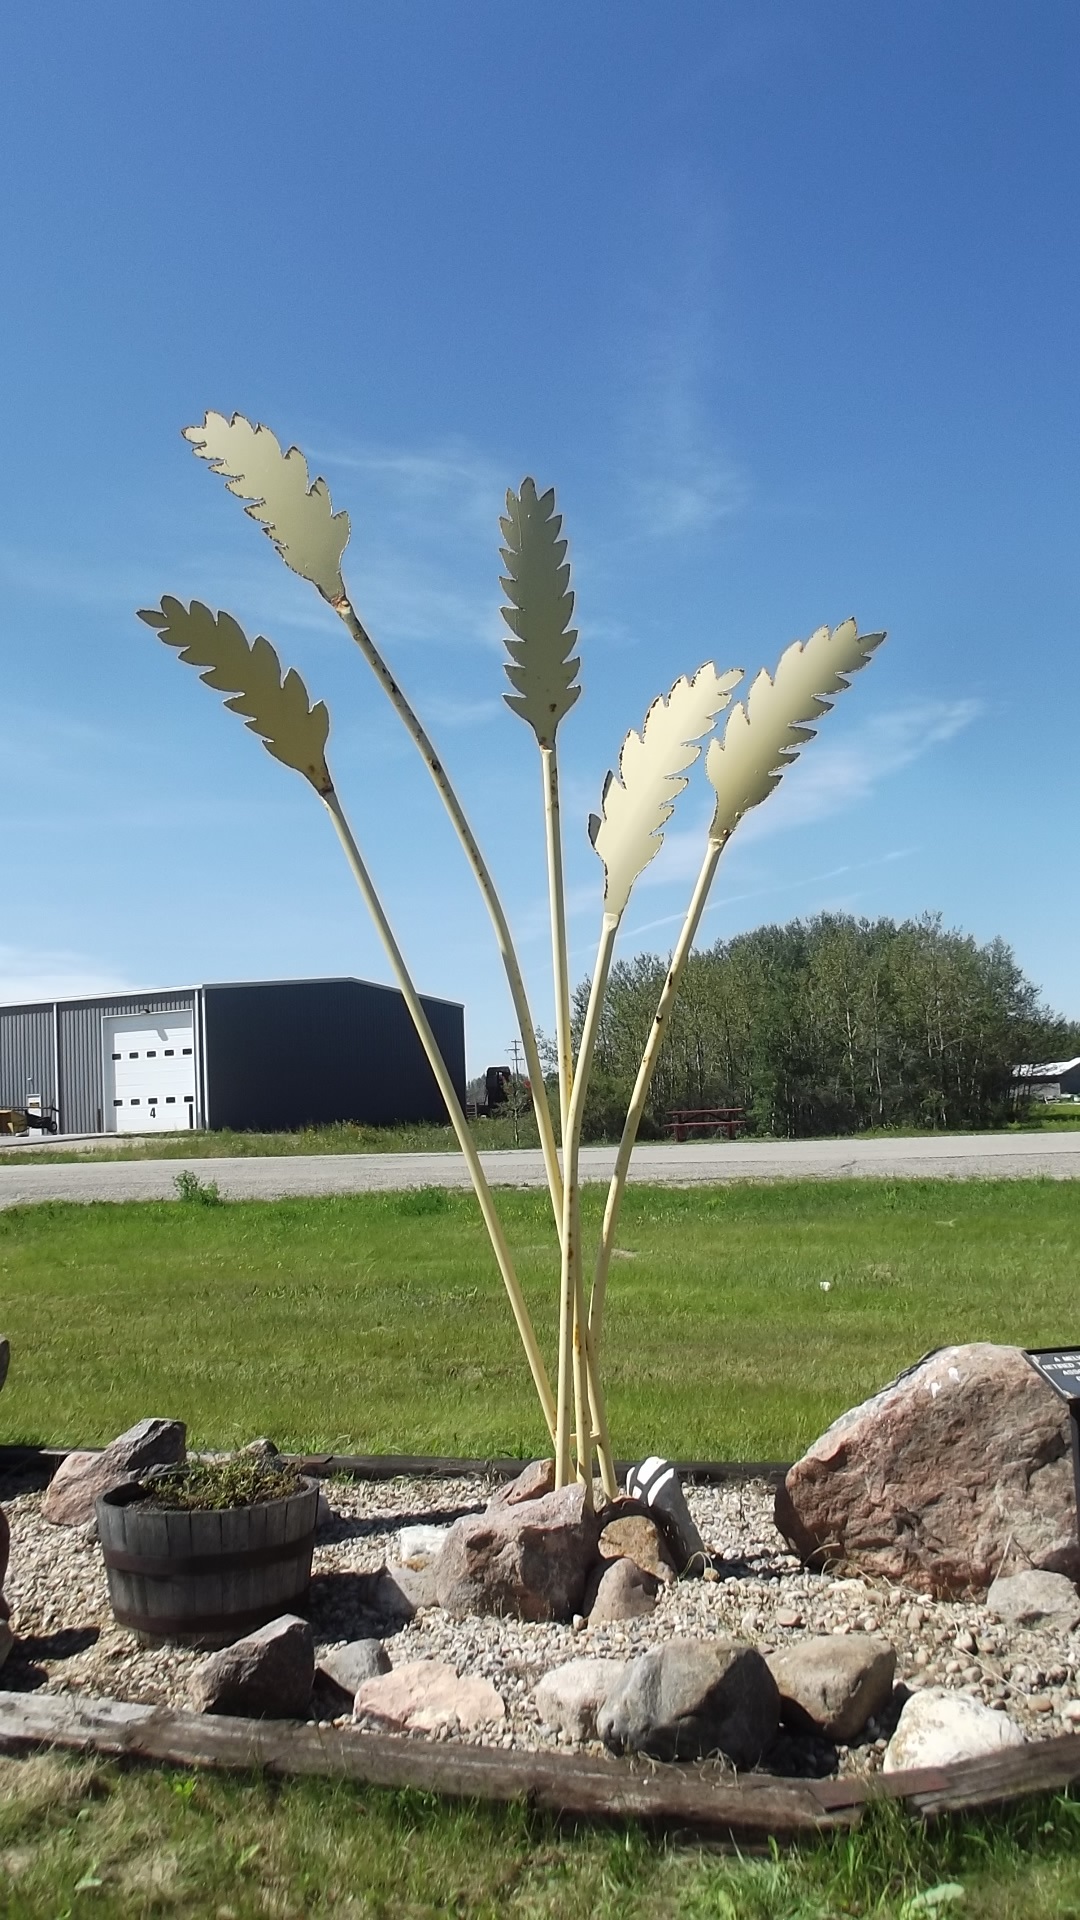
{"x":620,"y":1590}
{"x":1035,"y":1598}
{"x":788,"y":1618}
{"x":834,"y":1682}
{"x":1071,"y":1712}
{"x":690,"y":1698}
{"x":636,"y":1537}
{"x":72,"y":1493}
{"x":530,"y":1559}
{"x":570,"y":1697}
{"x":426,"y":1696}
{"x":537,"y":1480}
{"x":417,"y":1547}
{"x":937,"y":1727}
{"x":394,"y":1595}
{"x":262,"y":1449}
{"x":266,"y":1676}
{"x":347,"y":1667}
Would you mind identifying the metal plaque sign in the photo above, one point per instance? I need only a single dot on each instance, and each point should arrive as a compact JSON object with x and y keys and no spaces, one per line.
{"x":1060,"y":1368}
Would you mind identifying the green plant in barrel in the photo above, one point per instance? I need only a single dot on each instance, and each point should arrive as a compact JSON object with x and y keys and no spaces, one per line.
{"x":761,"y":738}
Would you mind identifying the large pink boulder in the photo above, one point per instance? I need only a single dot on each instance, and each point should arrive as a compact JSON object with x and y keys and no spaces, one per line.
{"x":531,"y":1560}
{"x":958,"y":1471}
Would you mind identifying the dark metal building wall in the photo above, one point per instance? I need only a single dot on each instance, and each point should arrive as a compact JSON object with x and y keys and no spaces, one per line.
{"x":81,"y":1090}
{"x":27,"y":1061}
{"x":308,"y":1053}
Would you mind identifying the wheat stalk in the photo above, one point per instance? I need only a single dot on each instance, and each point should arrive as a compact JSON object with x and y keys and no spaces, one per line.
{"x":543,"y":671}
{"x":627,"y":834}
{"x":296,"y":732}
{"x":275,"y":707}
{"x":311,"y":538}
{"x":764,"y":736}
{"x":293,"y":511}
{"x":537,"y":583}
{"x":761,"y":740}
{"x":637,"y":804}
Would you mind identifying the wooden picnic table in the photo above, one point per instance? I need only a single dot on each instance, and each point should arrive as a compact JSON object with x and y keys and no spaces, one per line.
{"x":710,"y":1123}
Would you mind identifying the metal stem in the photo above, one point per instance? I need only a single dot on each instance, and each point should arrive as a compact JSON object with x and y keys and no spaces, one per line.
{"x":450,"y":801}
{"x":453,"y":1106}
{"x":586,"y":1383}
{"x":571,"y":1295}
{"x":559,"y":961}
{"x":643,"y":1082}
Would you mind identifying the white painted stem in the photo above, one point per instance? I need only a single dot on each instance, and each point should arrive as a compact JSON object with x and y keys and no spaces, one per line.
{"x":465,"y":834}
{"x":559,"y":959}
{"x":588,"y":1398}
{"x":645,"y":1072}
{"x":453,"y":1106}
{"x":571,"y":1293}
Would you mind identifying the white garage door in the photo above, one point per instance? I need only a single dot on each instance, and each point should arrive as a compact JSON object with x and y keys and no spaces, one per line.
{"x":149,"y":1072}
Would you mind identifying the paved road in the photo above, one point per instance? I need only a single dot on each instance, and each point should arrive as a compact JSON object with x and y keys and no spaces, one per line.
{"x":949,"y":1156}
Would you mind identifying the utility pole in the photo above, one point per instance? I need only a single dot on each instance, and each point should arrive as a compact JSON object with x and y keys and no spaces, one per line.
{"x":515,"y":1086}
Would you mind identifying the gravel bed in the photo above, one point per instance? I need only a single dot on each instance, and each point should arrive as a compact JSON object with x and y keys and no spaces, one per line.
{"x":67,"y":1640}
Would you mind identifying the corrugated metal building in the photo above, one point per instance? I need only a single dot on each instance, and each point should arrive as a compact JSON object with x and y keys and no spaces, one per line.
{"x":267,"y":1054}
{"x":1052,"y":1080}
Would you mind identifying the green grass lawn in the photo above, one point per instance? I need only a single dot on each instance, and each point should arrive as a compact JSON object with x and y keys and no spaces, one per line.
{"x":377,"y":1322}
{"x":741,"y":1319}
{"x":84,"y":1838}
{"x":342,"y":1137}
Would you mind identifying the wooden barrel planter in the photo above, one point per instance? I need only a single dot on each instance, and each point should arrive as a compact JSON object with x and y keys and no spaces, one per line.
{"x":204,"y":1579}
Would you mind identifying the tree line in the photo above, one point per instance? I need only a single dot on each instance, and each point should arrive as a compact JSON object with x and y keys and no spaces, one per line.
{"x":829,"y":1025}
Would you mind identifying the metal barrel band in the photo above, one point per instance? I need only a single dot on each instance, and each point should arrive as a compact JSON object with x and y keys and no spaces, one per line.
{"x":163,"y":1626}
{"x":238,"y":1561}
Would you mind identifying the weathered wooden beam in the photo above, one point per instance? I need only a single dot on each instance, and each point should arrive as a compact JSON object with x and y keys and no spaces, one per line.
{"x":1042,"y":1766}
{"x":706,"y":1799}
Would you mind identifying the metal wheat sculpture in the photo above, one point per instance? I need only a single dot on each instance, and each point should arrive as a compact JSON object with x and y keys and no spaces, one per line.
{"x":761,"y":739}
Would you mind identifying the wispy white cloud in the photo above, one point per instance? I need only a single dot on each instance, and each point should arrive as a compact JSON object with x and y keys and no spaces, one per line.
{"x":835,"y":775}
{"x":685,"y":491}
{"x":684,"y":479}
{"x":461,"y":481}
{"x":422,"y":562}
{"x":28,"y":974}
{"x":446,"y":711}
{"x":722,"y":900}
{"x":830,"y":777}
{"x":95,"y":586}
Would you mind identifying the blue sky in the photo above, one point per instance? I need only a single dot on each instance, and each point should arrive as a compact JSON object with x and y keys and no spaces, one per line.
{"x":782,"y":298}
